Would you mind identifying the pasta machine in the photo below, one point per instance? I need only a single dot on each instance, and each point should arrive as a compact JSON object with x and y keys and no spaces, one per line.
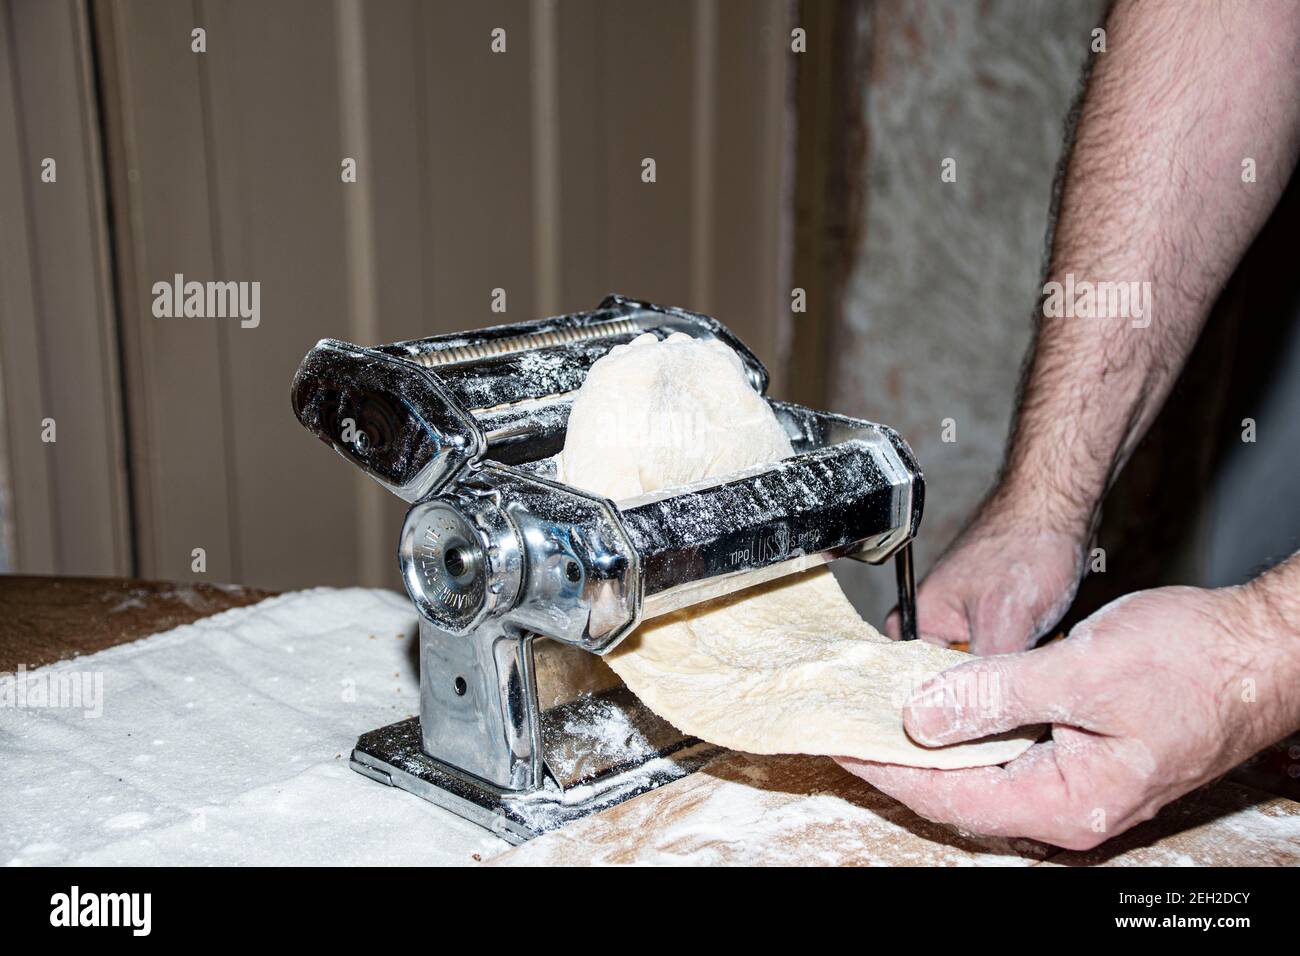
{"x":522,"y":582}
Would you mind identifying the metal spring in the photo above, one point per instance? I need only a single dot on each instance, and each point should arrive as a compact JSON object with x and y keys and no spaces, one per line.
{"x":523,"y":343}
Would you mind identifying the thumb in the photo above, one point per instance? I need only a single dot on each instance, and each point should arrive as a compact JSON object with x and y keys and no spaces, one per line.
{"x":994,"y":695}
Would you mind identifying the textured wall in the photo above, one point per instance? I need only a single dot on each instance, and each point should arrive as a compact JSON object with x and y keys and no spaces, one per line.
{"x":938,"y":302}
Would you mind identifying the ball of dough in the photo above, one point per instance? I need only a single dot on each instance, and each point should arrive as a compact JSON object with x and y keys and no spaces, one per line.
{"x":654,"y":415}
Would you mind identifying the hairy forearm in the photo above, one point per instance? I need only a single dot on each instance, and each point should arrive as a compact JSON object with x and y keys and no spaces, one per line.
{"x":1152,"y":192}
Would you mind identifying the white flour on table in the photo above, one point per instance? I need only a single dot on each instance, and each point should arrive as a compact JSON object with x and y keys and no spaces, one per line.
{"x":225,"y":742}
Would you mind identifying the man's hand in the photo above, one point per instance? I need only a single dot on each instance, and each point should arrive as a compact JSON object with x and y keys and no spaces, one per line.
{"x":1152,"y":696}
{"x":1157,"y":154}
{"x":1003,"y":584}
{"x":1161,"y":691}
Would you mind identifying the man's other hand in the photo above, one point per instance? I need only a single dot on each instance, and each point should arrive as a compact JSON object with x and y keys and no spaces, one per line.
{"x":1004,"y":583}
{"x":1152,"y":696}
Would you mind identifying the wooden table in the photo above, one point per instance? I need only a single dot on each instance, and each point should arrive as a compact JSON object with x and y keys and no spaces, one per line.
{"x":797,"y":810}
{"x":46,"y":619}
{"x":741,"y":809}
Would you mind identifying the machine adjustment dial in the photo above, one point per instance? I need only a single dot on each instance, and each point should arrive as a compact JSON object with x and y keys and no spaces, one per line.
{"x":445,"y":565}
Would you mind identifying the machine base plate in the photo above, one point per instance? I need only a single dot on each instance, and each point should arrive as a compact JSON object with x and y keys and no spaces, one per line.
{"x":393,"y":756}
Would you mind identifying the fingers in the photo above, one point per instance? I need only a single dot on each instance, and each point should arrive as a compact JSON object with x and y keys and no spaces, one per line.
{"x":893,"y":626}
{"x":953,"y":633}
{"x":997,"y":694}
{"x":1027,"y":798}
{"x":1001,"y":640}
{"x":1073,"y":792}
{"x":940,"y":616}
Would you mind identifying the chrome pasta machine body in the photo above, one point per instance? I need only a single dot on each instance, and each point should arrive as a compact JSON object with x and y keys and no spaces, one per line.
{"x":523,"y":582}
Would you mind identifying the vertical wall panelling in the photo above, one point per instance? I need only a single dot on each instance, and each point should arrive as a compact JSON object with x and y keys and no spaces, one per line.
{"x":516,"y":169}
{"x":479,"y":163}
{"x":359,"y":252}
{"x":177,"y":399}
{"x":69,"y":501}
{"x":546,"y":156}
{"x":274,"y":113}
{"x":749,"y":265}
{"x":704,"y":116}
{"x":28,"y":507}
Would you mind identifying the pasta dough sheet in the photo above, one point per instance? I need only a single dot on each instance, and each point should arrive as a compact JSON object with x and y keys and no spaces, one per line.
{"x":787,"y":667}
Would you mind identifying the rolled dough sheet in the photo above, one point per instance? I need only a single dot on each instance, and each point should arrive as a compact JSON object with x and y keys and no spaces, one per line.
{"x":787,"y":667}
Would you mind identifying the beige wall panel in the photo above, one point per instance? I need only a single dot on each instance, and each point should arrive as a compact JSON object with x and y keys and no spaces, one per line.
{"x":176,"y":392}
{"x":747,"y":283}
{"x":67,"y":226}
{"x":394,"y":68}
{"x":701,"y":89}
{"x":276,"y":154}
{"x":479,"y":164}
{"x":29,"y":506}
{"x":582,"y":60}
{"x":647,"y":86}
